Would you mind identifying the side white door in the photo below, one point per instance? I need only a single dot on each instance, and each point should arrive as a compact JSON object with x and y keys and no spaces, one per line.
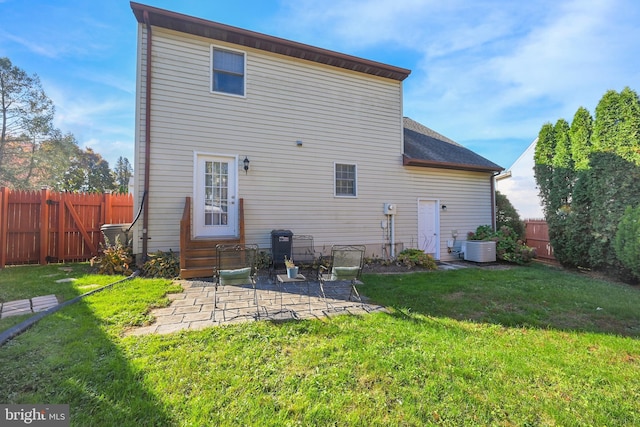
{"x":215,"y":208}
{"x":428,"y":226}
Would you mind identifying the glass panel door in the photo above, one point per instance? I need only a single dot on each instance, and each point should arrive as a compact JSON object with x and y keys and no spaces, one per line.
{"x":215,"y":208}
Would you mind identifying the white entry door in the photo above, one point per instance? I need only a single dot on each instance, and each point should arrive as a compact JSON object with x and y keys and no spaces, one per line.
{"x":215,"y":208}
{"x":428,"y":227}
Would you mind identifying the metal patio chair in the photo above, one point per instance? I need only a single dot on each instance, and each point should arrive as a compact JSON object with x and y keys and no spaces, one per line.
{"x":236,"y":270}
{"x":304,"y":254}
{"x":345,"y":266}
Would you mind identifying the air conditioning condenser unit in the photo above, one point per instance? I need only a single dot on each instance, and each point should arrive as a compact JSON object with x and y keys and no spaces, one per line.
{"x":479,"y":251}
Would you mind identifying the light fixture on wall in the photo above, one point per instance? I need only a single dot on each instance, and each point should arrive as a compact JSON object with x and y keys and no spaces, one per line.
{"x":444,"y":208}
{"x":246,"y":164}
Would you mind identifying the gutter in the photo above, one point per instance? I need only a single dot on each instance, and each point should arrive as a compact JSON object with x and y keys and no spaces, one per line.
{"x":493,"y":200}
{"x":408,"y":161}
{"x":147,"y":141}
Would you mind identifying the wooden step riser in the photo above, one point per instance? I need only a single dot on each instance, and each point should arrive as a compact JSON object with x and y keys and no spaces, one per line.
{"x":201,"y":262}
{"x":194,"y":273}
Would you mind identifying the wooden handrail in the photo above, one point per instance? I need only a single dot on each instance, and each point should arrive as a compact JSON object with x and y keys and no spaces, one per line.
{"x":185,"y":230}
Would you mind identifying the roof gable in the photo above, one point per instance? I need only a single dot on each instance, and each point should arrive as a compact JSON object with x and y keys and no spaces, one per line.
{"x":216,"y":31}
{"x":427,"y":148}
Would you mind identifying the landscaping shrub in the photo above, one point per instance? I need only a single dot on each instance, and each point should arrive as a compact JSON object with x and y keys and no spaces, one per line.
{"x":264,"y":260}
{"x":115,"y":259}
{"x":416,"y":258}
{"x":627,"y":240}
{"x":162,"y":264}
{"x":508,"y":246}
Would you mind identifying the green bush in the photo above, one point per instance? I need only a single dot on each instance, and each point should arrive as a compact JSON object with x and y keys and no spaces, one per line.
{"x":416,"y":258}
{"x":627,"y":240}
{"x":509,"y":247}
{"x":506,"y":214}
{"x":162,"y":264}
{"x":115,"y":259}
{"x":264,"y":260}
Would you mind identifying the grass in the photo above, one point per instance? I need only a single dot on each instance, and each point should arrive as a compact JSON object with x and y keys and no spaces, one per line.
{"x":524,"y":346}
{"x":28,"y":281}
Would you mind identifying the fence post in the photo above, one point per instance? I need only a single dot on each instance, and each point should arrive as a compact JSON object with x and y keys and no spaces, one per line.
{"x":4,"y":224}
{"x":61,"y":230}
{"x":44,"y":225}
{"x":107,"y":207}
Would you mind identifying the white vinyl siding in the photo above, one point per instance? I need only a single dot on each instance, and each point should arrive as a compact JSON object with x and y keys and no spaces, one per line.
{"x":336,"y":113}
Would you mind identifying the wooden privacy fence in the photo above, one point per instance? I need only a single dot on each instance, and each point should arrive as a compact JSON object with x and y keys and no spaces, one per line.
{"x":45,"y":226}
{"x":537,"y":236}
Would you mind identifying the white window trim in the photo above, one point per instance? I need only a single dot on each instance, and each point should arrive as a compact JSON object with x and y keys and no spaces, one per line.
{"x":335,"y":190}
{"x":244,"y":71}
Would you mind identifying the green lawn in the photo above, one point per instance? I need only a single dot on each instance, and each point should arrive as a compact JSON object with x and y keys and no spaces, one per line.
{"x":523,"y":346}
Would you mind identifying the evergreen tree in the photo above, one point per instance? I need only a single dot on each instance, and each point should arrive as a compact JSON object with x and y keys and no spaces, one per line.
{"x":123,"y":172}
{"x":613,"y":181}
{"x":580,"y":138}
{"x":507,"y":215}
{"x":543,"y":169}
{"x":628,"y":138}
{"x":560,"y":192}
{"x":578,"y":227}
{"x":605,"y":126}
{"x":588,"y":175}
{"x":617,"y":125}
{"x":627,"y":241}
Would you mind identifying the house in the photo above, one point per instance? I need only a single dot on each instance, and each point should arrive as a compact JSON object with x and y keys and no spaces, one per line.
{"x":240,"y":133}
{"x":518,"y":183}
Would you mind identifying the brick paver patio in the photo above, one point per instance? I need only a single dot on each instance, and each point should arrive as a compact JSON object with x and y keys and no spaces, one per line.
{"x":194,"y":308}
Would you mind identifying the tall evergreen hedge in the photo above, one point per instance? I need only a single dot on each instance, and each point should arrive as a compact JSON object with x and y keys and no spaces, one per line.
{"x":589,"y":175}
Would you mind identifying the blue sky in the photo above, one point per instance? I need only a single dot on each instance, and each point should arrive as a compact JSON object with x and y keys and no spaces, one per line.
{"x":485,"y":73}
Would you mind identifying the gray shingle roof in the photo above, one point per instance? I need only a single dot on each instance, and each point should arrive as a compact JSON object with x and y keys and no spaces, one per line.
{"x":426,"y":147}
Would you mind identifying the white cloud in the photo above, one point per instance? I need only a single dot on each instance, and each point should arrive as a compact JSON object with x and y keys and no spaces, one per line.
{"x":490,"y":70}
{"x":102,"y":122}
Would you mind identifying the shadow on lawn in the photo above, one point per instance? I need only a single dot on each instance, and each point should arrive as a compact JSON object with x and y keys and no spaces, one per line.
{"x":67,"y":358}
{"x":521,"y":297}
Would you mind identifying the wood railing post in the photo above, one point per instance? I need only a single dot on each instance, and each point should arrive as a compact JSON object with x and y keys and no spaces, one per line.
{"x":44,"y":225}
{"x":185,"y":231}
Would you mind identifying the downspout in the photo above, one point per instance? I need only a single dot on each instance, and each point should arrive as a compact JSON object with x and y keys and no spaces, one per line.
{"x":493,"y":200}
{"x":147,"y":140}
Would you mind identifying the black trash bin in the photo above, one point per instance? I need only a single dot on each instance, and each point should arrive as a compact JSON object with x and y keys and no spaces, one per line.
{"x":281,"y":241}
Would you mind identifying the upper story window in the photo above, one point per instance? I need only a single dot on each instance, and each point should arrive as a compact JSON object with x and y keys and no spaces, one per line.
{"x":345,"y":183}
{"x":227,"y":71}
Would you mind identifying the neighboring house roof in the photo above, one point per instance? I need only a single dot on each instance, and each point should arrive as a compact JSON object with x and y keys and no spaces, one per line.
{"x":213,"y":30}
{"x":426,"y":147}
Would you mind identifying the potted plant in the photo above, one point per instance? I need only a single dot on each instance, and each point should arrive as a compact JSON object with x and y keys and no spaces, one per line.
{"x":292,"y":270}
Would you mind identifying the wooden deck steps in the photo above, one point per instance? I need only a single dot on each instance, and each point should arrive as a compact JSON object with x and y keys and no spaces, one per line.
{"x":198,"y":256}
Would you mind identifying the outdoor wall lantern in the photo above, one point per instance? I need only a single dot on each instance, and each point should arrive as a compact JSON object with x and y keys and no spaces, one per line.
{"x":246,"y":164}
{"x":444,"y":208}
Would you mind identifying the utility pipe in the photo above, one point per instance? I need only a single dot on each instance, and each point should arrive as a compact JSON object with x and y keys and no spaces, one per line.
{"x":493,"y":200}
{"x":147,"y":140}
{"x":392,"y":236}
